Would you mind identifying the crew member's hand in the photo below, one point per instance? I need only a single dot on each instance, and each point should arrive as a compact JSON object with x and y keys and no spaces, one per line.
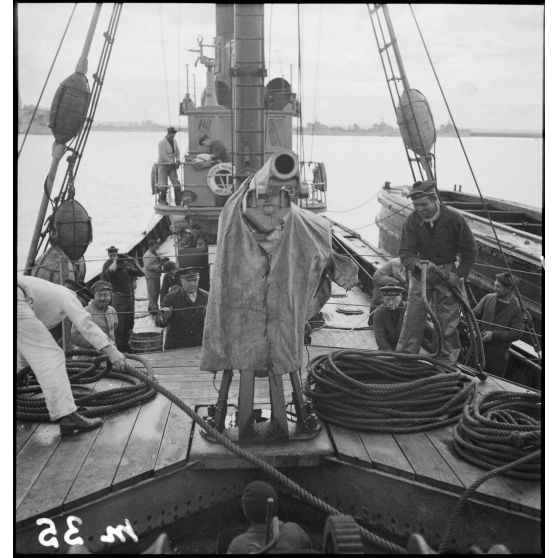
{"x":487,"y":335}
{"x":453,"y":279}
{"x":117,"y":359}
{"x":166,"y":312}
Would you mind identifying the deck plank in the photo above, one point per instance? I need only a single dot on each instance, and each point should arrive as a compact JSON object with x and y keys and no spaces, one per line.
{"x":174,"y":446}
{"x":348,"y":445}
{"x":98,"y":471}
{"x":427,"y":463}
{"x":386,"y":455}
{"x":497,"y":489}
{"x":24,"y":430}
{"x":57,"y":477}
{"x":33,"y":457}
{"x":143,"y":445}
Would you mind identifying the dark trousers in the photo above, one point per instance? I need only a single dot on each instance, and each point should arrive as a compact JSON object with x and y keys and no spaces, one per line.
{"x":153,"y":290}
{"x":124,"y":306}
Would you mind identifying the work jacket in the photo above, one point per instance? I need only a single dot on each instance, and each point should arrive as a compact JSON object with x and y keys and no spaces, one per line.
{"x":107,"y":321}
{"x":166,"y":152}
{"x":440,"y":242}
{"x":186,"y":323}
{"x":386,"y":329}
{"x":151,"y":264}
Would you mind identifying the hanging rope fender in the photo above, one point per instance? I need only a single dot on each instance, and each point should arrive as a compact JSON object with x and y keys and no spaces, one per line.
{"x":85,"y":367}
{"x":382,"y":391}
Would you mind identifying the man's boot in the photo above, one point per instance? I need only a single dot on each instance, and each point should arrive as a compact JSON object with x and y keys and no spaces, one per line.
{"x":74,"y":423}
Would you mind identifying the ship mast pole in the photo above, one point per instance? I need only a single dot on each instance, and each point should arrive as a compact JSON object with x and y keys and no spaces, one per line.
{"x":58,"y":150}
{"x":425,"y":161}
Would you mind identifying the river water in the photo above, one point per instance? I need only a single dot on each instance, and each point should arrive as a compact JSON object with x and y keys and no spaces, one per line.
{"x":113,"y":181}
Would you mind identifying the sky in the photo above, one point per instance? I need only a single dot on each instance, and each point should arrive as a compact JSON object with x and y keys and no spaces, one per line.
{"x":489,"y":59}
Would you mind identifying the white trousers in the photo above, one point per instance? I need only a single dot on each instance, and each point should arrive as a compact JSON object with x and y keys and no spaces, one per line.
{"x":37,"y":348}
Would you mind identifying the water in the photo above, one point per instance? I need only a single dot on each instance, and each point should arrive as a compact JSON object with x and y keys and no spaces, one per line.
{"x":113,"y":181}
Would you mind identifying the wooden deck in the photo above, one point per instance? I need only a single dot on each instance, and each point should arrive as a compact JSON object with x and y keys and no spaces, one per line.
{"x":55,"y":475}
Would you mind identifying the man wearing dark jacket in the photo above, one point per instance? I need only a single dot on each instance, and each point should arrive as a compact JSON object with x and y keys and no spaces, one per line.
{"x":438,"y":237}
{"x":501,"y":323}
{"x":183,"y":311}
{"x":388,"y":318}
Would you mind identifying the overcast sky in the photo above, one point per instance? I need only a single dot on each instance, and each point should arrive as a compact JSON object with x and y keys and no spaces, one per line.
{"x":489,"y":59}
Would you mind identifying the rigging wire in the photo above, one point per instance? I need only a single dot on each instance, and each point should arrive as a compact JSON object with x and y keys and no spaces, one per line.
{"x":46,"y":81}
{"x":515,"y":288}
{"x":164,"y":61}
{"x":317,"y":69}
{"x":300,"y":132}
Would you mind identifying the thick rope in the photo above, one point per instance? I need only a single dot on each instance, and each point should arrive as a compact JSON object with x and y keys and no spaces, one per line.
{"x":367,"y":535}
{"x":500,"y":431}
{"x":381,"y":391}
{"x":84,"y":367}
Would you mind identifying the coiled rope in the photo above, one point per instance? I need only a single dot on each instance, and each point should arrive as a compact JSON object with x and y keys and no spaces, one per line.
{"x":381,"y":391}
{"x":85,"y":367}
{"x":367,"y":535}
{"x":500,"y":431}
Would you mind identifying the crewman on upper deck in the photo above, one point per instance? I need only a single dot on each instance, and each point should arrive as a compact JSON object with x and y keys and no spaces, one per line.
{"x":42,"y":305}
{"x":168,"y":163}
{"x":501,"y":323}
{"x":216,"y":149}
{"x":440,"y":236}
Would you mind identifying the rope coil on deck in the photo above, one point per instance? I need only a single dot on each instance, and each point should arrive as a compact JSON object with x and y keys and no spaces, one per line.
{"x":500,"y":428}
{"x":84,"y":367}
{"x":381,"y":391}
{"x":367,"y":535}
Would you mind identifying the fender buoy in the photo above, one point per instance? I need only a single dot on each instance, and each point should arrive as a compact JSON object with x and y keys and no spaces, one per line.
{"x":319,"y":180}
{"x":220,"y":179}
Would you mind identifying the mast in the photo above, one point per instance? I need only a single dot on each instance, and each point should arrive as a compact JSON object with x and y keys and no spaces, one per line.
{"x":411,"y":107}
{"x":248,"y":73}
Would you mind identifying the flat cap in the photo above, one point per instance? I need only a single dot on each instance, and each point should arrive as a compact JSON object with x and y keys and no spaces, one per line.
{"x":422,"y":188}
{"x":101,"y":286}
{"x":112,"y":249}
{"x":171,"y":130}
{"x":203,"y":138}
{"x":392,"y":290}
{"x":169,"y":266}
{"x":188,"y":271}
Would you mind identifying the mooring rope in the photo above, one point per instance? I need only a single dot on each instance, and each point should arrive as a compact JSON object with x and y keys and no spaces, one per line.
{"x":381,"y":391}
{"x":500,"y":431}
{"x":367,"y":535}
{"x":85,"y":367}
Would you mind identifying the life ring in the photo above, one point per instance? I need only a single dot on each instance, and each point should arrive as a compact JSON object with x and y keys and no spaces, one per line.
{"x":220,"y":179}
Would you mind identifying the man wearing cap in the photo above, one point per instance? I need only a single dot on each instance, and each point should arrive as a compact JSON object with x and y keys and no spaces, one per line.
{"x":389,"y":273}
{"x":112,"y":253}
{"x":183,"y":311}
{"x":42,"y":305}
{"x":501,"y":323}
{"x":439,"y":236}
{"x":168,"y":163}
{"x":254,"y":505}
{"x":121,"y":274}
{"x":170,"y":279}
{"x":388,"y":318}
{"x":101,"y":312}
{"x":152,"y":264}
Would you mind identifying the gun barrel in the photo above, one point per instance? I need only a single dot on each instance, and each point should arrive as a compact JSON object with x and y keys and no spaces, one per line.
{"x":282,"y":165}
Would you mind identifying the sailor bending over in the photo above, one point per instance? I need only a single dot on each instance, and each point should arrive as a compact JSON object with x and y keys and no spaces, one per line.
{"x":42,"y":305}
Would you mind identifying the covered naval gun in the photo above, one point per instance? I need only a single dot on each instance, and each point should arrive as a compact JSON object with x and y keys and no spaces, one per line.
{"x":272,"y":272}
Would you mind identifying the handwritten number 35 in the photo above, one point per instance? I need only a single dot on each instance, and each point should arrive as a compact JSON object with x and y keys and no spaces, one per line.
{"x":69,"y":536}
